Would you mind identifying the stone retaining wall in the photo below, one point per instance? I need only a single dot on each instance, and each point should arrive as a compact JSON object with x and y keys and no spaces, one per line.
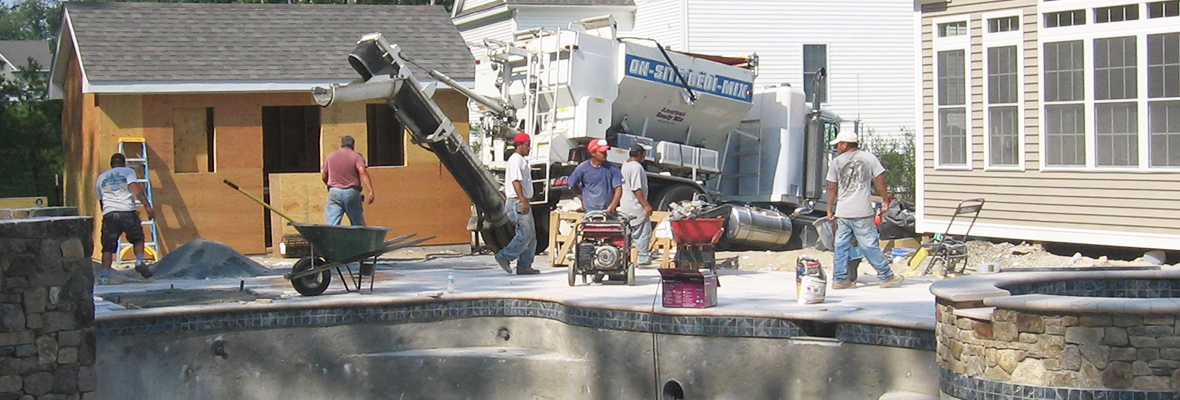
{"x":1140,"y":352}
{"x":47,"y":337}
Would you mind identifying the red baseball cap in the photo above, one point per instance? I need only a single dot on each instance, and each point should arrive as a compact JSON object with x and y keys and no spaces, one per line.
{"x":597,"y":145}
{"x":521,"y":138}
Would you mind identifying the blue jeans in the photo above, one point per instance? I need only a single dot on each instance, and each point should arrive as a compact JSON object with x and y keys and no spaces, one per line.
{"x":641,"y":237}
{"x":866,"y":236}
{"x":523,"y":246}
{"x":342,"y":201}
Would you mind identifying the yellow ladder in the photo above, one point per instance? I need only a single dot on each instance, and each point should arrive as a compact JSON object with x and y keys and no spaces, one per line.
{"x":139,"y":162}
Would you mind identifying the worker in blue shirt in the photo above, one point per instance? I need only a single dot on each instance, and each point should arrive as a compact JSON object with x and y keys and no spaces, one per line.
{"x":596,"y":182}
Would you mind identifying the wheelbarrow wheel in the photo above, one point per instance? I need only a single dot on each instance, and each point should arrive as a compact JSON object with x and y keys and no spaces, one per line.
{"x":631,"y":275}
{"x":314,"y":284}
{"x":572,"y":273}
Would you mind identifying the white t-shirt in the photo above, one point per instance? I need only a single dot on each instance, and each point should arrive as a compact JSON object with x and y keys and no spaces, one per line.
{"x":853,"y":173}
{"x":114,"y":189}
{"x":634,"y":178}
{"x":517,"y":170}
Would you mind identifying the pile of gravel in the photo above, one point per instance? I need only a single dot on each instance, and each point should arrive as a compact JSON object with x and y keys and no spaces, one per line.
{"x":203,"y":259}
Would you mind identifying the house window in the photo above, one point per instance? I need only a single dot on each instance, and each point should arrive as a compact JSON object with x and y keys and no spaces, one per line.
{"x":1002,"y":97}
{"x":952,"y":110}
{"x":1005,"y":24}
{"x":958,"y":28}
{"x":1115,"y":110}
{"x":386,"y":137}
{"x":1065,"y":18}
{"x":1162,"y":9}
{"x":1128,"y":12}
{"x":1163,"y":76}
{"x":291,"y":139}
{"x":815,"y":56}
{"x":1064,"y":89}
{"x":192,"y":140}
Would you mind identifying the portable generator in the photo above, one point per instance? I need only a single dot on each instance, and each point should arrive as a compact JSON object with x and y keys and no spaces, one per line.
{"x":603,"y":249}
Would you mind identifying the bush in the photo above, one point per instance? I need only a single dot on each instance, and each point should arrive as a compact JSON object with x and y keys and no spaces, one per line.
{"x":897,"y":155}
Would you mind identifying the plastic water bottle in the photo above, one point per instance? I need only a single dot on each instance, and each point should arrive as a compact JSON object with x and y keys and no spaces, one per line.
{"x":450,"y":282}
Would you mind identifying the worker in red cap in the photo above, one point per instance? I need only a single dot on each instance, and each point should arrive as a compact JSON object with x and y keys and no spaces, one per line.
{"x":596,"y":182}
{"x":518,"y":189}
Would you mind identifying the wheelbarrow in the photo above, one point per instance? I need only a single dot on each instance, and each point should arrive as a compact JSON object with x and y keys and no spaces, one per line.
{"x":336,"y":247}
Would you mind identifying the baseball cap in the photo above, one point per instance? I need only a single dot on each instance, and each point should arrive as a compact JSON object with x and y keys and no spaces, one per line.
{"x":520,"y":138}
{"x":846,"y":137}
{"x":597,"y":145}
{"x":637,"y":147}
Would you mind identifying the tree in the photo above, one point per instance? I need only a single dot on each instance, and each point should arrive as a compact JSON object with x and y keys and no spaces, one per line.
{"x":32,"y":155}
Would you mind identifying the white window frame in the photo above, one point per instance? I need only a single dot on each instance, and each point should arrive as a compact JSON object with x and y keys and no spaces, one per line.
{"x":951,"y":43}
{"x":1140,"y":28}
{"x":1003,"y":39}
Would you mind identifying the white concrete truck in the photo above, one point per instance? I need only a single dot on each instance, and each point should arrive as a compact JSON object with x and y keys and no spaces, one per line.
{"x":711,"y":131}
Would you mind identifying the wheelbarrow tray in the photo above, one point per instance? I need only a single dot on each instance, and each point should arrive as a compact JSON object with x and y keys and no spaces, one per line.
{"x":336,"y":243}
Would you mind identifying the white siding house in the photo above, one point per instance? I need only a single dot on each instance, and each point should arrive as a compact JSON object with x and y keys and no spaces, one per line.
{"x":867,"y":46}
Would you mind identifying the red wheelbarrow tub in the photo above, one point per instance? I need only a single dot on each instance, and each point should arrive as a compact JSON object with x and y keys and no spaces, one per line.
{"x":697,"y":230}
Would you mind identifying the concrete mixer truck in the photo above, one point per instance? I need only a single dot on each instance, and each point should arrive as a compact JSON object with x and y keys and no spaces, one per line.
{"x":713,"y":133}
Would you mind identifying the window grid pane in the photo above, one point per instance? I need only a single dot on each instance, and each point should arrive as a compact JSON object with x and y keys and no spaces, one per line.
{"x":1128,"y":12}
{"x":1065,"y":18}
{"x":1064,"y":71}
{"x":1163,"y":65}
{"x":1001,"y":76}
{"x":1114,"y":68}
{"x":958,"y":28}
{"x":1162,"y":9}
{"x":952,"y":84}
{"x":1117,"y":126}
{"x":952,"y":136}
{"x":1065,"y":135}
{"x":1005,"y":24}
{"x":1003,"y":136}
{"x":1164,"y":118}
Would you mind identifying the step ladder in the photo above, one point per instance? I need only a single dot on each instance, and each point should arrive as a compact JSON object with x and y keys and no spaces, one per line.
{"x":138,"y":161}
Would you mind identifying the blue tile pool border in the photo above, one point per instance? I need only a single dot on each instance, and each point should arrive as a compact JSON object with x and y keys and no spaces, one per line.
{"x":975,"y":388}
{"x":638,"y":321}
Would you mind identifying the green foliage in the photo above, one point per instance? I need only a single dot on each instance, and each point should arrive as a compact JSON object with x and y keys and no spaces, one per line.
{"x":897,"y":155}
{"x":30,"y":20}
{"x":31,"y":157}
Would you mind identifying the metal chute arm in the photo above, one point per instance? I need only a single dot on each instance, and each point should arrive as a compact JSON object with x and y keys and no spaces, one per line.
{"x":386,"y":77}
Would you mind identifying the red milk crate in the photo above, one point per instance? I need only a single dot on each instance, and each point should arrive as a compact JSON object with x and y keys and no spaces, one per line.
{"x":688,"y":288}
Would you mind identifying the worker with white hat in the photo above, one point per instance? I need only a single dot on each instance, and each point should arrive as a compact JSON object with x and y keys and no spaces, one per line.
{"x":851,"y":176}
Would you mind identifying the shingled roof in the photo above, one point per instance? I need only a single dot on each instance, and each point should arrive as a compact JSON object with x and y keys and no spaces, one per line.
{"x":18,"y":52}
{"x":239,"y":43}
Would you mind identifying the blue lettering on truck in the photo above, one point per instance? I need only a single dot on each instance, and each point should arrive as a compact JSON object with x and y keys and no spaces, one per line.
{"x":661,"y":72}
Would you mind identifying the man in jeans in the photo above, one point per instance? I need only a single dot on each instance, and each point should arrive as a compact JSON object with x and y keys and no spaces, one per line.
{"x":518,"y":189}
{"x":346,"y":174}
{"x":634,"y":203}
{"x":851,"y":176}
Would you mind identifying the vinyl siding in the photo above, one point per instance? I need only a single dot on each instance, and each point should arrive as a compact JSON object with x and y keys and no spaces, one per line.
{"x":561,"y":17}
{"x":1107,"y":208}
{"x":662,"y":20}
{"x":500,"y":27}
{"x":870,"y":47}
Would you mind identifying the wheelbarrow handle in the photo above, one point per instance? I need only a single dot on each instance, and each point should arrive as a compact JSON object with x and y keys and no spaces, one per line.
{"x":263,"y":203}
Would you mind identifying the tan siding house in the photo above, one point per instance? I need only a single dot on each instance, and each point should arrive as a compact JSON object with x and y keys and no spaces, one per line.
{"x":1063,"y":115}
{"x":222,"y":91}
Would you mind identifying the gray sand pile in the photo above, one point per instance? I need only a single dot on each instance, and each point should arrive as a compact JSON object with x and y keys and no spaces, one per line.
{"x":203,"y":259}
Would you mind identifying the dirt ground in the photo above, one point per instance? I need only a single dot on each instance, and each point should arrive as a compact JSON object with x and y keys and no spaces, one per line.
{"x":1007,"y":255}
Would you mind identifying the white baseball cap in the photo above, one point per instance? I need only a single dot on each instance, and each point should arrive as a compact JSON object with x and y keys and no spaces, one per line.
{"x":846,"y":136}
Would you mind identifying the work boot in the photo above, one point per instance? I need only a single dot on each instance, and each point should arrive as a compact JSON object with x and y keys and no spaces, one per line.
{"x":527,"y":271}
{"x":837,"y":285}
{"x":893,"y":282}
{"x":143,"y":270}
{"x":504,"y":265}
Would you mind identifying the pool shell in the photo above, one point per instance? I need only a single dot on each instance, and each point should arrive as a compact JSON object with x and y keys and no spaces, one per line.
{"x":506,"y":348}
{"x":1060,"y":335}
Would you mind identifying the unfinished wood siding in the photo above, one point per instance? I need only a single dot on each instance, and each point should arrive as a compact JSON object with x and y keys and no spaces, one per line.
{"x":1110,"y":208}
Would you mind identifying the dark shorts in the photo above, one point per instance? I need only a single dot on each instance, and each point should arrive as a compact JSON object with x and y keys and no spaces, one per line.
{"x":116,"y":223}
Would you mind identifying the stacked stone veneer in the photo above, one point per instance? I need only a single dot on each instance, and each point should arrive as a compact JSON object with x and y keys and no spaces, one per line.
{"x":47,"y":338}
{"x":1091,"y":350}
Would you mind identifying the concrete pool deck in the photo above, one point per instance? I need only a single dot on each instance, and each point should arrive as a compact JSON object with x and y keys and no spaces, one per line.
{"x":767,"y":294}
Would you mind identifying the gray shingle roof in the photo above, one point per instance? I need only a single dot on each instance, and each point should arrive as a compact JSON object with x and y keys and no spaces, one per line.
{"x":488,"y":6}
{"x":18,"y":52}
{"x":178,"y":42}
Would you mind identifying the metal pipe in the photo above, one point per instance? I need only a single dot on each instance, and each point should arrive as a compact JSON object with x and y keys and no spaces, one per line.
{"x":813,"y":144}
{"x":375,"y":88}
{"x":479,"y":98}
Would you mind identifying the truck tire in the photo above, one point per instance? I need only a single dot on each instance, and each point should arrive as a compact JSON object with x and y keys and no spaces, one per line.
{"x":673,"y":194}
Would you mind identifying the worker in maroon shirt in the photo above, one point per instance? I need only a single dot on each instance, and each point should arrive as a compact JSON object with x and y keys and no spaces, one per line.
{"x":346,"y":174}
